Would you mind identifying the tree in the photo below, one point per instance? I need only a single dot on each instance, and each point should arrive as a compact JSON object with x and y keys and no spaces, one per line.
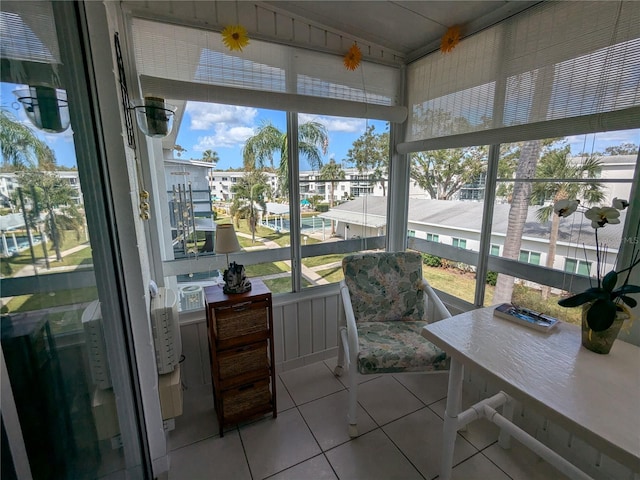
{"x":332,"y":172}
{"x":442,"y":173}
{"x":210,"y":156}
{"x":370,"y":152}
{"x":526,"y":167}
{"x":558,"y":164}
{"x":622,"y":149}
{"x":51,"y":196}
{"x":249,"y":199}
{"x":19,"y":146}
{"x":529,"y":155}
{"x":313,"y":142}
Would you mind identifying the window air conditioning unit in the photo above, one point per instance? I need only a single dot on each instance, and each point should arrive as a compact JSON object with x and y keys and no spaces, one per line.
{"x":166,"y":330}
{"x":96,"y":347}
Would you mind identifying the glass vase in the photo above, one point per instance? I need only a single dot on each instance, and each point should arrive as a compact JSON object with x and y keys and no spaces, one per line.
{"x":601,"y":342}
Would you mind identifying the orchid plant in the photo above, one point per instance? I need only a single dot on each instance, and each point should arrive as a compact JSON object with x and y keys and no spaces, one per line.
{"x":606,"y":297}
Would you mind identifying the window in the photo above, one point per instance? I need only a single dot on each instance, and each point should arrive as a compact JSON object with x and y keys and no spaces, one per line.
{"x":529,"y":257}
{"x":343,"y":204}
{"x":460,"y":243}
{"x":495,"y":250}
{"x":433,"y":237}
{"x":581,"y":267}
{"x":411,"y":233}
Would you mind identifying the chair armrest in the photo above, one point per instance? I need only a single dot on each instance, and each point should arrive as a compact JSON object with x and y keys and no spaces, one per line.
{"x":438,"y":306}
{"x":352,"y":331}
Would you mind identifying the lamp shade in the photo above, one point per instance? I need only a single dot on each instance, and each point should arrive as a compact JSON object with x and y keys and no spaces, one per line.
{"x":226,"y":240}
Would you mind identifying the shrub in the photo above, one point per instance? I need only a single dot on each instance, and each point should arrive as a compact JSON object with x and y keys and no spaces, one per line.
{"x":431,"y":260}
{"x":322,"y":207}
{"x":492,"y":278}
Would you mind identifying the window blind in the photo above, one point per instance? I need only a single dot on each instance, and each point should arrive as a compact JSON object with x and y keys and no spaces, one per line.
{"x":190,"y":59}
{"x":28,"y":32}
{"x":557,"y":67}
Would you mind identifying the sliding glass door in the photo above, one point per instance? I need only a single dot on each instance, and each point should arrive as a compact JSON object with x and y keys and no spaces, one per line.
{"x":70,"y":401}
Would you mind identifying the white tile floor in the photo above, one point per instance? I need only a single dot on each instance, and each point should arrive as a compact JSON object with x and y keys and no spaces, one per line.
{"x":400,"y":424}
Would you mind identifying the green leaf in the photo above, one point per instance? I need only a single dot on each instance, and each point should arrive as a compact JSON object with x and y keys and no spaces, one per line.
{"x":601,"y":315}
{"x":629,"y":301}
{"x":581,"y":298}
{"x":627,"y":289}
{"x":609,"y":281}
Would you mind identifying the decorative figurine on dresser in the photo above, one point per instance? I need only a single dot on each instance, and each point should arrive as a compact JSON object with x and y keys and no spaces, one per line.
{"x":241,"y":351}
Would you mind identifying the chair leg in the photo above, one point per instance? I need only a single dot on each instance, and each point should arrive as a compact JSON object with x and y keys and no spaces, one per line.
{"x":353,"y":400}
{"x":339,"y":369}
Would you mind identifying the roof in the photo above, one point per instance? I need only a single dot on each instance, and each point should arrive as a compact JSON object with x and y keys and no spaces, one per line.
{"x":278,"y":208}
{"x":369,"y":211}
{"x":467,"y":216}
{"x":11,"y":222}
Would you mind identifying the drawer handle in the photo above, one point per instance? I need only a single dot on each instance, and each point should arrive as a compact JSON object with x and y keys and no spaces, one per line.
{"x":240,"y":306}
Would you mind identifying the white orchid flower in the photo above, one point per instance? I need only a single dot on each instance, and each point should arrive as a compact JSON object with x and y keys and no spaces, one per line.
{"x":600,"y":216}
{"x":619,"y":203}
{"x":564,"y":208}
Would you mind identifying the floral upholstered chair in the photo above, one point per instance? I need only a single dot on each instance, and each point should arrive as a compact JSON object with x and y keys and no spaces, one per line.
{"x":386,"y":303}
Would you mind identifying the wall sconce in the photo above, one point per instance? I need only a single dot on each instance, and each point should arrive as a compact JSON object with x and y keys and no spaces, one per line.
{"x":46,"y":107}
{"x":154,"y":116}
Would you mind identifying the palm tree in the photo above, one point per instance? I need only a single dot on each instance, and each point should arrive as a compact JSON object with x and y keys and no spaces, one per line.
{"x":332,"y":172}
{"x":249,"y":199}
{"x":313,"y":142}
{"x":559,"y":164}
{"x":520,"y":197}
{"x":210,"y":156}
{"x":19,"y":146}
{"x":53,"y":196}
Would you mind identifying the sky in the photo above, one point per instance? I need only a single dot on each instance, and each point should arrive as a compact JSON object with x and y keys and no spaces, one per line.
{"x":225,"y":128}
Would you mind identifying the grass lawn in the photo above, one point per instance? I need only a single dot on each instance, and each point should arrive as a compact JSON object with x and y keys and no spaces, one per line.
{"x":37,"y":301}
{"x":262,"y":269}
{"x":82,"y":257}
{"x":13,"y":264}
{"x":331,"y":274}
{"x":282,"y":285}
{"x":323,"y":260}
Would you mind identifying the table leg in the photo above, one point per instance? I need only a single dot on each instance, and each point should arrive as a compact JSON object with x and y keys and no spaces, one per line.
{"x":450,"y":429}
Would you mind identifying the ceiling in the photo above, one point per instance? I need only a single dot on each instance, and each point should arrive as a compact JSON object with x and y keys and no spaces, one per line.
{"x":408,"y":28}
{"x":389,"y":32}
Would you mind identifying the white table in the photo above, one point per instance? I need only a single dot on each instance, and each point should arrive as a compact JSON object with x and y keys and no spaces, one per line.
{"x":596,"y":397}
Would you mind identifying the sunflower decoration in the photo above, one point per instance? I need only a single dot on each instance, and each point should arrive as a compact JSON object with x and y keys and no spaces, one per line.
{"x":235,"y":37}
{"x":450,"y":39}
{"x":352,"y":57}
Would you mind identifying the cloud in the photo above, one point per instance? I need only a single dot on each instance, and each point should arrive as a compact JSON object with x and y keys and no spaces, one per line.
{"x":224,"y":136}
{"x":336,"y":124}
{"x":205,"y":116}
{"x":597,"y":142}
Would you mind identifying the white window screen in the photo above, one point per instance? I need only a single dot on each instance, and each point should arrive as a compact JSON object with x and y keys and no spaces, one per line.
{"x":167,"y":53}
{"x":556,"y":62}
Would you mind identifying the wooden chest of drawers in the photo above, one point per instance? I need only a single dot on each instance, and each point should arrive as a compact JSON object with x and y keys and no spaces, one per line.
{"x":241,"y":352}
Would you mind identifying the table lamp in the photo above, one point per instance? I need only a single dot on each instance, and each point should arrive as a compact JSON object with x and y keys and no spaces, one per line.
{"x":234,"y":277}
